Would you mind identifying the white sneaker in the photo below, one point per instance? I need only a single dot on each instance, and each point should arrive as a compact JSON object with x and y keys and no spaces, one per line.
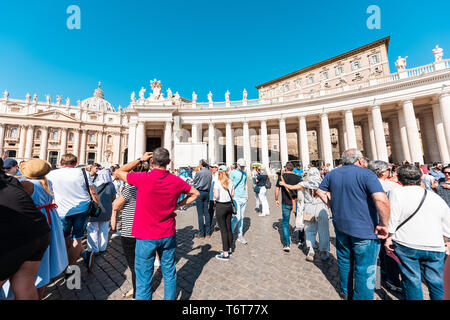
{"x":157,"y":262}
{"x":242,"y":240}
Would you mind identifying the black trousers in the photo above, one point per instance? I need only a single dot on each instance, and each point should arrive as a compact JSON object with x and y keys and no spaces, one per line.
{"x":211,"y":208}
{"x":224,"y":213}
{"x":129,"y":246}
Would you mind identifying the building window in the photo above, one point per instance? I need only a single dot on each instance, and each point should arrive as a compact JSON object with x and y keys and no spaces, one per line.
{"x":92,"y":137}
{"x":109,"y":140}
{"x":38,"y":135}
{"x":297,"y":84}
{"x":14,"y":133}
{"x":286,"y":87}
{"x":55,"y":135}
{"x":71,"y":137}
{"x":93,"y":117}
{"x":374,"y":59}
{"x":339,"y":70}
{"x":310,"y":80}
{"x":325,"y":75}
{"x":73,"y":115}
{"x":356,"y":65}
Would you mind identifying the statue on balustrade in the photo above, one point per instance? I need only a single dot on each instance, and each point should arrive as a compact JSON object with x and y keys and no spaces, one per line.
{"x":169,"y":94}
{"x":177,"y":97}
{"x":48,"y":98}
{"x":133,"y":97}
{"x":438,"y":53}
{"x":142,"y":93}
{"x":67,"y":102}
{"x":6,"y":94}
{"x":227,"y":96}
{"x":244,"y":95}
{"x":210,"y":97}
{"x":28,"y":97}
{"x":156,"y":87}
{"x":35,"y":97}
{"x":194,"y":97}
{"x":58,"y":99}
{"x":401,"y":63}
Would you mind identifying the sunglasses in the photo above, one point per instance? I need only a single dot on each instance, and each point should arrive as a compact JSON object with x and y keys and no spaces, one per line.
{"x":447,"y":172}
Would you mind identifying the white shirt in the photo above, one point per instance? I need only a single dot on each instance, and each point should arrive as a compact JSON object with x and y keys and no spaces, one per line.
{"x":426,"y":229}
{"x":223,"y":193}
{"x":388,"y":186}
{"x":69,"y":187}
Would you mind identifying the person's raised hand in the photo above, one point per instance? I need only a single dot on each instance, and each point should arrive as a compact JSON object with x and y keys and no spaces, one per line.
{"x":147,"y":156}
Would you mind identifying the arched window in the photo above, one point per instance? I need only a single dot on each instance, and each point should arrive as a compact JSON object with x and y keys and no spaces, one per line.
{"x":109,"y":140}
{"x":14,"y":133}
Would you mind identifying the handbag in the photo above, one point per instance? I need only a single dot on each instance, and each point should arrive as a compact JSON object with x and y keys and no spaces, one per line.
{"x":94,"y":209}
{"x":233,"y":204}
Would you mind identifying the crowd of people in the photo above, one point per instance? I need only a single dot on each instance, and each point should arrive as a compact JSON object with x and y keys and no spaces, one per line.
{"x":398,"y":215}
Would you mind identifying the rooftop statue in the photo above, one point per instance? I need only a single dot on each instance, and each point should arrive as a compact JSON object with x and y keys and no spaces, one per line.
{"x":156,"y":87}
{"x":58,"y":99}
{"x":169,"y":94}
{"x":48,"y":98}
{"x":35,"y":97}
{"x":28,"y":97}
{"x":142,"y":93}
{"x":401,"y":63}
{"x":133,"y":97}
{"x":438,"y":53}
{"x":210,"y":97}
{"x":6,"y":94}
{"x":227,"y":96}
{"x":244,"y":95}
{"x":194,"y":97}
{"x":67,"y":101}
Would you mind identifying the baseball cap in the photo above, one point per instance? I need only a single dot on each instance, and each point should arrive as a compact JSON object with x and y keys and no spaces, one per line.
{"x":8,"y":163}
{"x":241,"y":162}
{"x":215,"y":165}
{"x":223,"y":168}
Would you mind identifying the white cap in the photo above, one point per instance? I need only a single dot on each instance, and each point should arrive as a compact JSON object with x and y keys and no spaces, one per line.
{"x":215,"y":165}
{"x":241,"y":162}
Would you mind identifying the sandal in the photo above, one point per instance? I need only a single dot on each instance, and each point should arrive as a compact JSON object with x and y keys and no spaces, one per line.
{"x":128,"y":295}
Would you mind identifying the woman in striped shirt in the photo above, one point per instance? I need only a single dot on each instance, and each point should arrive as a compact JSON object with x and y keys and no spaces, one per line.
{"x":127,"y":203}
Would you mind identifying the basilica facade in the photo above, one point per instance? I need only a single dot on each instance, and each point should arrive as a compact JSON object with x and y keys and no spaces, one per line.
{"x":352,"y":100}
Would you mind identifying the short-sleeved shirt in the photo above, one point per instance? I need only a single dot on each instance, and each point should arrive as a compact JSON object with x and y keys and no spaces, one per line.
{"x":437,"y":174}
{"x":444,"y":193}
{"x":203,"y":180}
{"x":156,"y":199}
{"x":129,"y":194}
{"x":298,"y":171}
{"x":354,"y":211}
{"x":239,"y":178}
{"x":70,"y":191}
{"x":224,"y":195}
{"x":291,"y":179}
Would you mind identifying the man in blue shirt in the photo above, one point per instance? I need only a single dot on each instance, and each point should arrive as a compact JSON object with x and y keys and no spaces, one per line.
{"x":360,"y":211}
{"x":239,"y":178}
{"x":298,"y":170}
{"x":436,"y":172}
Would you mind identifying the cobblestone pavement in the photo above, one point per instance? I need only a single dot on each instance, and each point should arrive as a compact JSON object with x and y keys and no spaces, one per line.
{"x":258,"y":270}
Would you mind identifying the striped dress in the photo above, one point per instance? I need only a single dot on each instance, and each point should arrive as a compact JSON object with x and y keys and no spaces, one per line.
{"x":129,"y":194}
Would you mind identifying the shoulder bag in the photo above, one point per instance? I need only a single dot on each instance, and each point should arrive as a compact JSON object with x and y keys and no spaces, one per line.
{"x":233,"y":204}
{"x":94,"y":209}
{"x":413,"y":214}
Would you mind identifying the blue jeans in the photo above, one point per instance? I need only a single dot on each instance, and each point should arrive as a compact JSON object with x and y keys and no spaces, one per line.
{"x":357,"y":257}
{"x":286,"y":215}
{"x":238,"y":219}
{"x":418,"y":263}
{"x":204,"y":221}
{"x":321,"y":226}
{"x":145,"y":255}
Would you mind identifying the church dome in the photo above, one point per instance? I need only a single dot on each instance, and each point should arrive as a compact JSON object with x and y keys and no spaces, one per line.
{"x":97,"y":102}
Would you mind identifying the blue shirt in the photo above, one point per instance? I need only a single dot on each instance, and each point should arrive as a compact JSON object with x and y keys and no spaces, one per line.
{"x":352,"y":205}
{"x":298,"y":171}
{"x":239,"y":182}
{"x":437,"y":174}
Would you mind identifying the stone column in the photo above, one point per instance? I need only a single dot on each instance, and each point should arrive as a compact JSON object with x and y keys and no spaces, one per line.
{"x":99,"y":146}
{"x":246,"y":144}
{"x":194,"y":133}
{"x":29,"y":143}
{"x":44,"y":142}
{"x":350,"y":128}
{"x":319,"y":143}
{"x":404,"y":136}
{"x":378,"y":129}
{"x":444,"y":101}
{"x":22,"y":142}
{"x":413,"y":132}
{"x":326,"y":140}
{"x":373,"y":143}
{"x":140,"y":139}
{"x":211,"y":143}
{"x":440,"y":134}
{"x":396,"y":139}
{"x":429,"y":139}
{"x":229,"y":145}
{"x":303,"y":142}
{"x":132,"y":142}
{"x":62,"y":146}
{"x":341,"y":137}
{"x":366,"y":138}
{"x":264,"y":145}
{"x":2,"y":138}
{"x":117,"y":147}
{"x":76,"y":144}
{"x":284,"y":155}
{"x":168,"y":137}
{"x":83,"y":147}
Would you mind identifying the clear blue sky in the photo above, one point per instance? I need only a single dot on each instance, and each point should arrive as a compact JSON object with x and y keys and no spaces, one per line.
{"x":197,"y":45}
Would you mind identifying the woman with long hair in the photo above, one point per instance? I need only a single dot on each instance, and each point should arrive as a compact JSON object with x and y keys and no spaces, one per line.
{"x":223,"y":194}
{"x":24,"y":238}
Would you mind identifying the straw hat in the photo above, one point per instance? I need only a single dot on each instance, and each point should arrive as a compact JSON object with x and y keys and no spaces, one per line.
{"x":35,"y":168}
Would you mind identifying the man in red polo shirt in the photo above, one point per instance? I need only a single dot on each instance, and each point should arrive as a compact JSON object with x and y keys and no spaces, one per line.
{"x":154,"y":220}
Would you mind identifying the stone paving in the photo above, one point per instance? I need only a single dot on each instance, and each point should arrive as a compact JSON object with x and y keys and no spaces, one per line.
{"x":259,"y":270}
